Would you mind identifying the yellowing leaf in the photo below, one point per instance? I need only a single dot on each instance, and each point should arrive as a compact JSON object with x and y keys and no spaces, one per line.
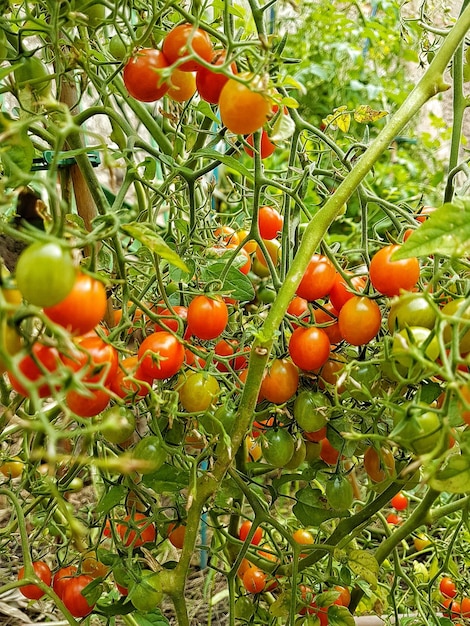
{"x":365,"y":114}
{"x":364,"y":565}
{"x":343,"y":122}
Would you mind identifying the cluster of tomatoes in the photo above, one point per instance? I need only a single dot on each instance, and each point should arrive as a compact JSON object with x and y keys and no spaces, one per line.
{"x":188,"y":62}
{"x":453,"y":608}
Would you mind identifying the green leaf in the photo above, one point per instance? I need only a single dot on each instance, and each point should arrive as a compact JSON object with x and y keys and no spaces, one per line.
{"x":121,"y":607}
{"x":111,"y":499}
{"x":446,"y":232}
{"x":155,"y":618}
{"x":280,"y":607}
{"x":232,"y":162}
{"x":168,"y":479}
{"x":340,"y":616}
{"x":309,"y":508}
{"x":365,"y":565}
{"x":454,"y":477}
{"x":206,"y":109}
{"x":236,"y":284}
{"x":147,"y":236}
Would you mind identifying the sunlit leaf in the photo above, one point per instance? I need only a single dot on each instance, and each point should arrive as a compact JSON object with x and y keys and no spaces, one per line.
{"x":364,"y":565}
{"x":145,"y":233}
{"x":365,"y":114}
{"x":343,"y":122}
{"x":283,"y":128}
{"x":454,"y":477}
{"x":310,"y":509}
{"x":340,"y":616}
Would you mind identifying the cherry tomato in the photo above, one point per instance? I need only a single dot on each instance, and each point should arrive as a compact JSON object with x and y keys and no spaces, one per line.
{"x":447,"y":587}
{"x":209,"y":83}
{"x":328,"y":453}
{"x":61,"y":579}
{"x":411,"y":309}
{"x":340,"y":292}
{"x":151,"y":452}
{"x":83,"y":308}
{"x":142,"y":75}
{"x":465,"y":607}
{"x":12,"y":468}
{"x":327,"y":317}
{"x":226,"y":348}
{"x":344,"y":598}
{"x":422,"y":433}
{"x":87,"y":403}
{"x":359,"y":320}
{"x":244,"y":107}
{"x":303,"y":536}
{"x":245,"y":528}
{"x":393,"y":519}
{"x":130,"y":381}
{"x":207,"y":316}
{"x":421,"y":542}
{"x":298,"y":307}
{"x":254,"y":580}
{"x":309,"y":347}
{"x":414,"y":337}
{"x":43,"y":361}
{"x":266,"y":147}
{"x":198,"y":392}
{"x":73,"y":597}
{"x":273,"y":248}
{"x":311,"y":410}
{"x":161,"y":355}
{"x":182,"y":86}
{"x":270,"y":222}
{"x":45,"y":273}
{"x":95,"y":359}
{"x":391,"y":277}
{"x":453,"y":608}
{"x":339,"y":492}
{"x":280,"y":381}
{"x":278,"y":447}
{"x":42,"y":571}
{"x":174,"y":321}
{"x":176,"y":534}
{"x":183,"y":41}
{"x":318,"y":278}
{"x":457,"y":309}
{"x":399,"y":502}
{"x":379,"y":465}
{"x":147,"y":593}
{"x":136,"y":530}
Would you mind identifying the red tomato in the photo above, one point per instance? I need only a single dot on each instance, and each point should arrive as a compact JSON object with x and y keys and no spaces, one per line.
{"x":183,"y":41}
{"x":280,"y":381}
{"x":42,"y":571}
{"x":318,"y":278}
{"x":399,"y":502}
{"x":453,"y":608}
{"x":390,"y":277}
{"x":62,"y":577}
{"x":359,"y":320}
{"x":316,"y":436}
{"x":309,"y":347}
{"x":447,"y":587}
{"x":298,"y":307}
{"x":245,"y":529}
{"x":379,"y":465}
{"x":207,"y":316}
{"x":344,"y":598}
{"x":243,"y":106}
{"x":126,"y":382}
{"x":393,"y":519}
{"x":83,"y":308}
{"x":328,"y":454}
{"x":73,"y":597}
{"x":266,"y":147}
{"x":136,"y":530}
{"x":161,"y":355}
{"x":465,"y":607}
{"x":270,"y":222}
{"x":176,"y":534}
{"x":171,"y":321}
{"x":209,"y":83}
{"x":96,"y":360}
{"x":87,"y":403}
{"x":141,"y":75}
{"x":328,"y":315}
{"x":340,"y":292}
{"x":44,"y":360}
{"x":254,"y":580}
{"x":226,"y":348}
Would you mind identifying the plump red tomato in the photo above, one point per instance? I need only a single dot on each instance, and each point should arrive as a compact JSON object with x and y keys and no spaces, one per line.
{"x":87,"y":403}
{"x":318,"y":278}
{"x":244,"y":107}
{"x":328,"y":316}
{"x":73,"y":597}
{"x":36,"y":367}
{"x":173,"y":321}
{"x":298,"y":307}
{"x":359,"y":320}
{"x":399,"y":501}
{"x":245,"y":528}
{"x":207,"y":316}
{"x":176,"y":534}
{"x":309,"y":347}
{"x":447,"y":587}
{"x":254,"y":580}
{"x":183,"y":41}
{"x":142,"y":75}
{"x":136,"y":530}
{"x":391,"y":277}
{"x":83,"y":308}
{"x":127,"y":380}
{"x":94,"y":359}
{"x":61,"y":578}
{"x":161,"y":355}
{"x":270,"y":222}
{"x":280,"y":381}
{"x":340,"y":292}
{"x":42,"y":571}
{"x":266,"y":146}
{"x":182,"y":86}
{"x":209,"y":83}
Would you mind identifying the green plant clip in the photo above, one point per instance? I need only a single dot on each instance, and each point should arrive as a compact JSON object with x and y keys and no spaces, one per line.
{"x":66,"y":159}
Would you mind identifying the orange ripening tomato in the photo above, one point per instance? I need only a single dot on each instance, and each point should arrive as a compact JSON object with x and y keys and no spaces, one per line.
{"x":244,"y":106}
{"x":328,"y":454}
{"x":209,"y":83}
{"x":83,"y":308}
{"x":142,"y":75}
{"x":182,"y":86}
{"x":254,"y":580}
{"x":359,"y":320}
{"x":391,"y":277}
{"x":176,"y":534}
{"x":183,"y":41}
{"x":379,"y":465}
{"x":136,"y":530}
{"x":280,"y":381}
{"x":207,"y":316}
{"x":318,"y":278}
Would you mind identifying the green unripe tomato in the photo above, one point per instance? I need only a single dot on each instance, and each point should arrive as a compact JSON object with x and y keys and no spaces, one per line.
{"x":32,"y":73}
{"x":117,"y":47}
{"x":411,"y":309}
{"x":45,"y":274}
{"x":278,"y":447}
{"x":198,"y":392}
{"x":150,"y":450}
{"x":339,"y":492}
{"x":300,"y":452}
{"x":147,"y":594}
{"x":311,"y":410}
{"x":413,"y":337}
{"x":420,"y":433}
{"x":117,"y":424}
{"x":456,"y":308}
